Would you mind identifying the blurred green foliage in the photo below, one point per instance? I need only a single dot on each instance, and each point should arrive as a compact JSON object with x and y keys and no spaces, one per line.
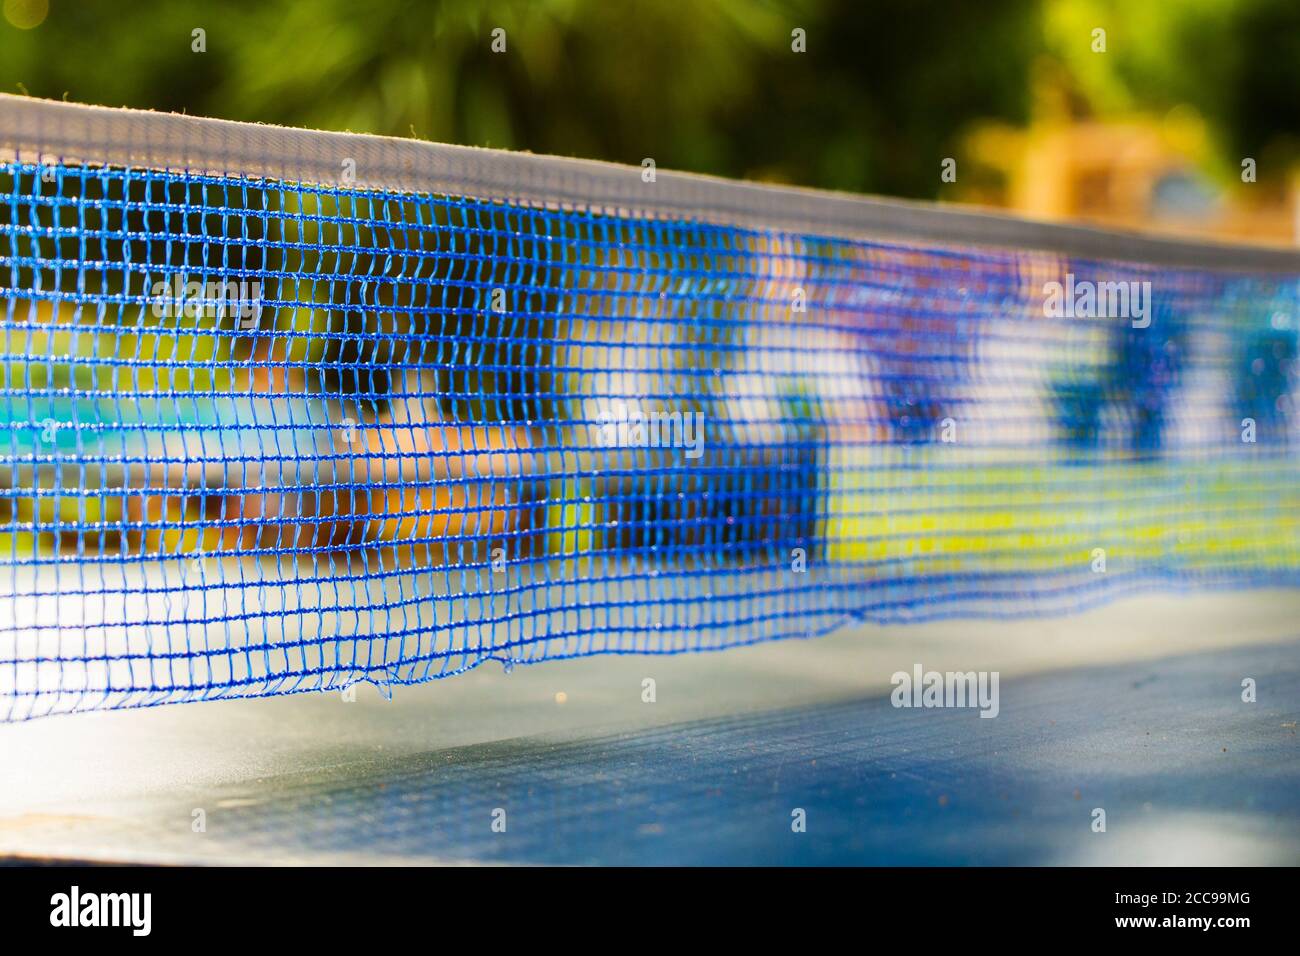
{"x":884,"y":91}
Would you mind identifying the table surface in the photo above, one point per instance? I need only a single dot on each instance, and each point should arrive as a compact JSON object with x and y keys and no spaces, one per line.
{"x":1134,"y":708}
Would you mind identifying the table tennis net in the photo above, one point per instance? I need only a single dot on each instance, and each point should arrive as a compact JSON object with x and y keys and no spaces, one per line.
{"x":263,"y":436}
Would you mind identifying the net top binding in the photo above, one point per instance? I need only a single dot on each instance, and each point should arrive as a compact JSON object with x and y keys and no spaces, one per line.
{"x":36,"y":130}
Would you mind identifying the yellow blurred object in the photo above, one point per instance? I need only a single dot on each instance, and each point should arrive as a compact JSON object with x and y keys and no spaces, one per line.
{"x":1132,"y":171}
{"x":443,"y":486}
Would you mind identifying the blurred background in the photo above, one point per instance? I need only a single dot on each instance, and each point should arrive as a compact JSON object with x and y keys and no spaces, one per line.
{"x":1145,"y":125}
{"x":1179,"y":116}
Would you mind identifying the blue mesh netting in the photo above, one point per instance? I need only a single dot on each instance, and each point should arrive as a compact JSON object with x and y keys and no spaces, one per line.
{"x":265,"y":437}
